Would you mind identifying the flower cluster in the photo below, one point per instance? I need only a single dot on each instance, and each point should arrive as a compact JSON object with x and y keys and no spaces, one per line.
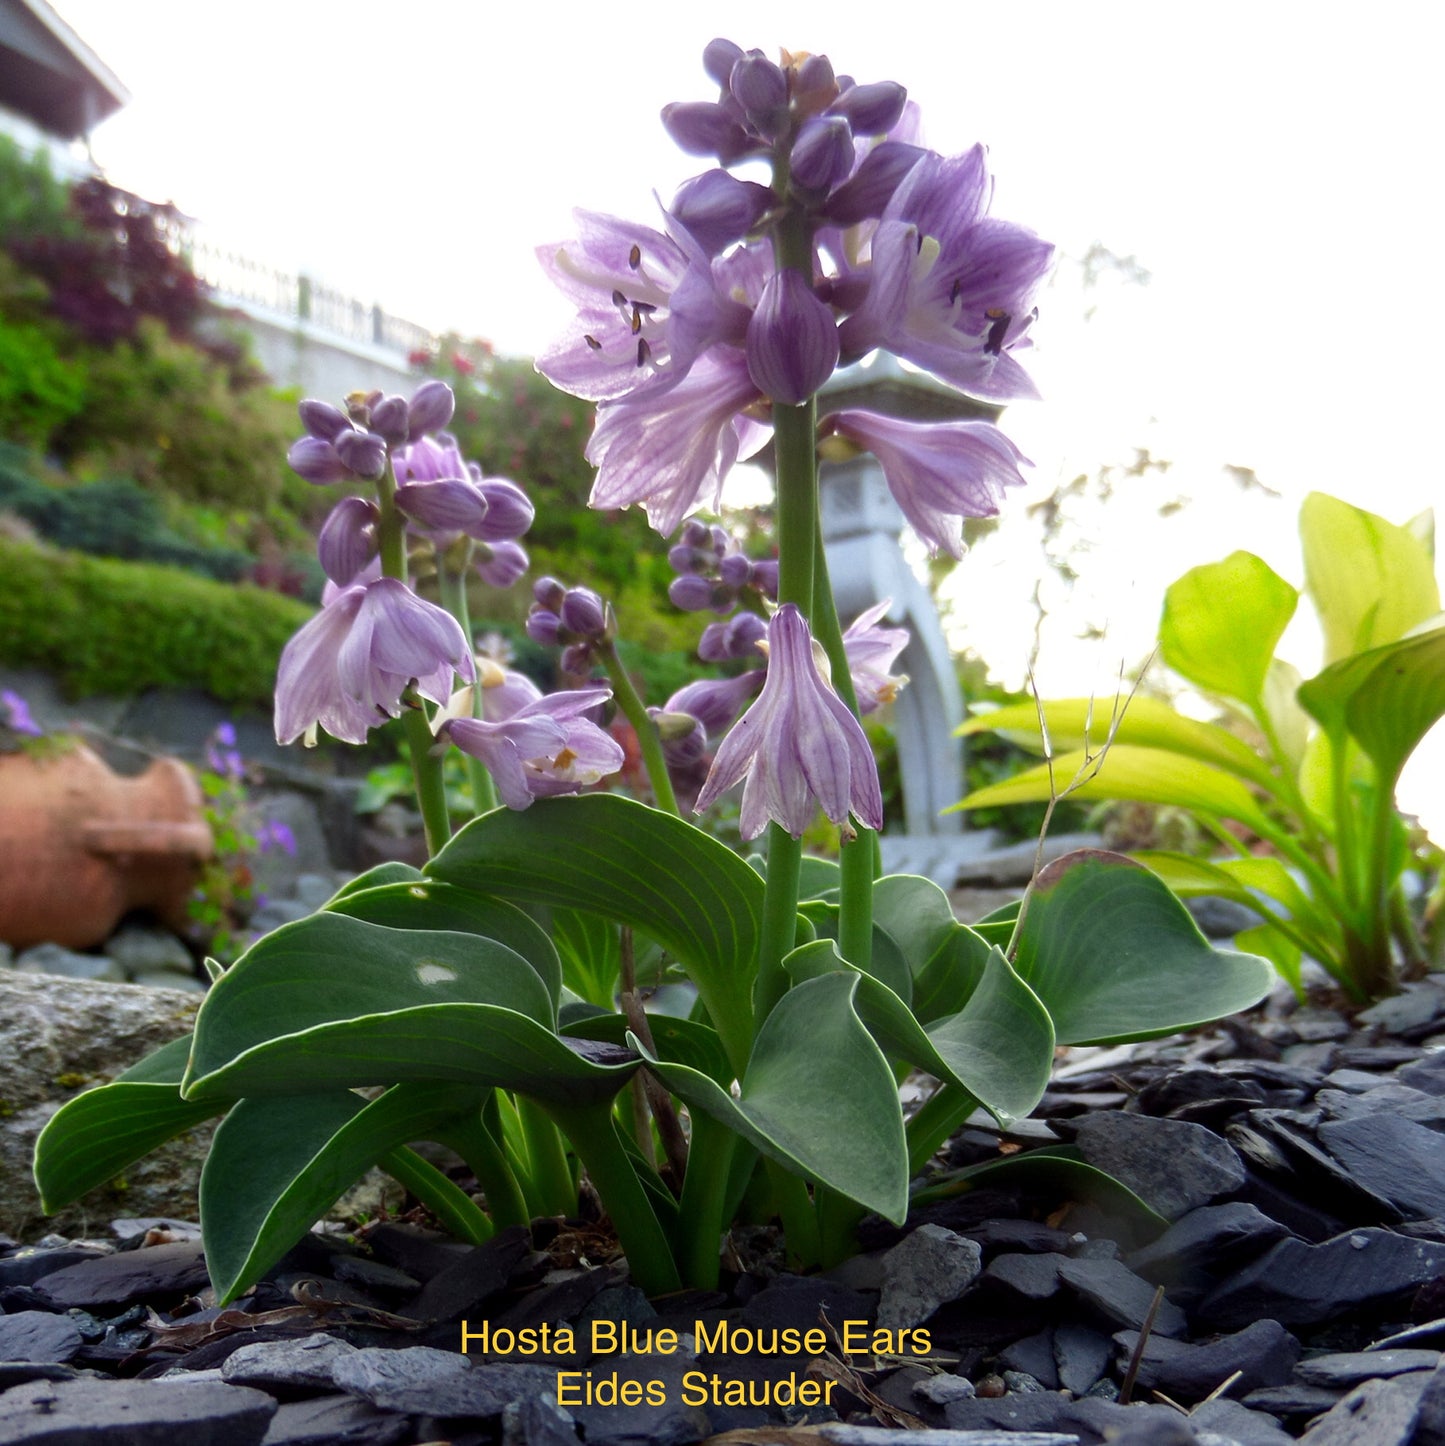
{"x":690,"y":335}
{"x":574,"y":618}
{"x":713,"y":572}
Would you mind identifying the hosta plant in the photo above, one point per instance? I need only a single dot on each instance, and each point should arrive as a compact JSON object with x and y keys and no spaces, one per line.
{"x":1297,"y":777}
{"x":494,"y":1001}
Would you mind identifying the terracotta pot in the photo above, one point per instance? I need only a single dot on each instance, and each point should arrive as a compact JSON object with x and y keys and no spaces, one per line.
{"x":81,"y":846}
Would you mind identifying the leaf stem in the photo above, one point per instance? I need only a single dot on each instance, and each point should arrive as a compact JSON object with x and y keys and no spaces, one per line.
{"x":446,"y":1200}
{"x":642,"y":725}
{"x":453,"y":586}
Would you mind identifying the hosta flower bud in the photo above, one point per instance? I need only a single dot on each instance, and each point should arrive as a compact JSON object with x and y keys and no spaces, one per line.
{"x":718,"y":59}
{"x":577,"y":659}
{"x":363,"y":452}
{"x":321,"y":419}
{"x":696,"y":533}
{"x":509,"y":509}
{"x":543,"y":626}
{"x":431,"y":406}
{"x":693,"y":594}
{"x":765,"y":577}
{"x":347,"y":541}
{"x":792,"y":344}
{"x":736,"y":638}
{"x":735,"y":570}
{"x":814,"y":85}
{"x":871,"y":109}
{"x":501,"y":563}
{"x":317,"y":461}
{"x":823,"y":153}
{"x":687,"y":561}
{"x":872,"y":187}
{"x":389,"y":420}
{"x":717,"y":209}
{"x":584,"y":613}
{"x":704,"y":128}
{"x":549,"y":593}
{"x":761,"y":88}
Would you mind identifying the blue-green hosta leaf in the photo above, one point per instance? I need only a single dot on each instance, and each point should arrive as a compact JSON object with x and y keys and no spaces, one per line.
{"x":684,"y":1041}
{"x":332,"y":1001}
{"x":1387,"y":699}
{"x":422,"y":903}
{"x":614,"y":857}
{"x":1148,"y":775}
{"x":99,"y":1134}
{"x":393,"y":872}
{"x":818,"y":1097}
{"x":591,"y":954}
{"x":1287,"y":957}
{"x":1147,"y":723}
{"x":999,"y":1047}
{"x":885,"y":962}
{"x":1370,"y":580}
{"x":277,"y":1164}
{"x":1115,"y":956}
{"x":1221,"y":624}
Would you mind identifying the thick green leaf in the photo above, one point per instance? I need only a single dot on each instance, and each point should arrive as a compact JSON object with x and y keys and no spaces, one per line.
{"x":1387,"y":699}
{"x":1115,"y":956}
{"x":1286,"y":956}
{"x":591,"y":954}
{"x":1221,"y":624}
{"x":614,"y":857}
{"x":1147,"y":723}
{"x":422,"y":903}
{"x":915,"y":913}
{"x":999,"y":1048}
{"x":374,"y":878}
{"x":818,"y":1097}
{"x":277,"y":1164}
{"x":682,"y":1040}
{"x":97,"y":1135}
{"x":818,"y":878}
{"x":885,"y":962}
{"x":1371,"y":581}
{"x":1148,"y":775}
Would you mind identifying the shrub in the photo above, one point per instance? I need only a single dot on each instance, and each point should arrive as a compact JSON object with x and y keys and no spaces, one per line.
{"x":116,"y":627}
{"x":39,"y":389}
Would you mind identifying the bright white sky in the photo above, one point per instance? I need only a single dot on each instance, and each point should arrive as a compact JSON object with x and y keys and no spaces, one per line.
{"x":1268,"y":163}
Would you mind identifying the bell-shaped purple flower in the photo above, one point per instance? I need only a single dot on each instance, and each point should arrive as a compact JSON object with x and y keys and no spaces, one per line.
{"x":760,"y":87}
{"x":694,"y":594}
{"x":870,"y":110}
{"x":705,"y":128}
{"x":347,"y":669}
{"x":938,"y":472}
{"x":583,"y":614}
{"x":715,"y":702}
{"x":792,"y":343}
{"x":347,"y":541}
{"x":430,"y":408}
{"x":798,"y":746}
{"x":871,"y":653}
{"x":317,"y":461}
{"x":719,"y":57}
{"x":509,"y":510}
{"x":668,"y":450}
{"x":544,"y":748}
{"x":869,"y":189}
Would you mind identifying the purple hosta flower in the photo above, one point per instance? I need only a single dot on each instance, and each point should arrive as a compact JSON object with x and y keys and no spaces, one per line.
{"x":716,"y":208}
{"x":575,"y":618}
{"x":346,"y":669}
{"x":621,"y":277}
{"x":273,"y":834}
{"x":871,"y":653}
{"x":445,"y":496}
{"x":331,"y":591}
{"x":823,"y":153}
{"x":348,"y":541}
{"x":390,"y":420}
{"x":16,"y":713}
{"x":545,"y":747}
{"x":938,"y":472}
{"x":792,"y":340}
{"x":671,"y":449}
{"x":950,"y":288}
{"x":509,"y":510}
{"x":335,"y":449}
{"x":429,"y":410}
{"x":798,"y":746}
{"x":222,"y":756}
{"x":713,"y":572}
{"x":715,"y":702}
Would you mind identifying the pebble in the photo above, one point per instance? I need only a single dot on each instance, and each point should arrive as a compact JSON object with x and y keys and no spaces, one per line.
{"x":1375,"y":1413}
{"x":173,"y":1270}
{"x":306,"y":1363}
{"x":67,"y":964}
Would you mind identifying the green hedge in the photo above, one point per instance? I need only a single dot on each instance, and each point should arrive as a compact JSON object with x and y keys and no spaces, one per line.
{"x":103,"y":626}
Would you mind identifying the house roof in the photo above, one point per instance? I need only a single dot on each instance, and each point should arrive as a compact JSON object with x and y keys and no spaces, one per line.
{"x":50,"y":75}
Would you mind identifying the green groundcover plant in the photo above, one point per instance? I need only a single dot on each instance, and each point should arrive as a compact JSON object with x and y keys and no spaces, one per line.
{"x":493,"y":1000}
{"x":1305,"y":769}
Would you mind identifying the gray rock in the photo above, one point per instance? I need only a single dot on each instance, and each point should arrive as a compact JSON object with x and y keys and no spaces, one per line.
{"x":141,"y":950}
{"x":1263,"y":1354}
{"x":314,"y":890}
{"x":471,"y":1278}
{"x":334,"y":1421}
{"x":36,"y":1335}
{"x":1341,"y":1370}
{"x":168,"y":980}
{"x":423,"y":1380}
{"x":1299,"y":1284}
{"x":929,"y":1267}
{"x":1117,"y":1293}
{"x":275,"y":912}
{"x":1426,"y":1074}
{"x":1415,"y":1006}
{"x":67,"y":964}
{"x":843,"y":1435}
{"x":1199,"y":1245}
{"x":1399,"y":1160}
{"x":669,"y":1424}
{"x":160,"y":1270}
{"x":7,"y":956}
{"x":305,"y":1363}
{"x":276,"y":871}
{"x":1293,"y":1398}
{"x":1376,"y":1413}
{"x":28,"y":1264}
{"x":1237,"y":1423}
{"x":1220,"y":918}
{"x":133,"y":1413}
{"x":1386,"y":1099}
{"x":940,"y":1390}
{"x":57,"y":1035}
{"x":538,"y":1421}
{"x":1081,"y":1356}
{"x":1171,"y":1165}
{"x":1031,"y":1358}
{"x":1032,"y":1277}
{"x":1319,"y":1026}
{"x":1090,"y":1418}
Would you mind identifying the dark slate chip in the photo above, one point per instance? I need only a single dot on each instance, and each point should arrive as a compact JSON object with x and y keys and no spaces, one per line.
{"x":1120,"y":1295}
{"x":159,"y":1271}
{"x":421,"y":1379}
{"x":795,"y":1300}
{"x":1031,"y":1277}
{"x":1081,"y":1356}
{"x":1299,"y":1284}
{"x":25,"y":1267}
{"x":1341,"y":1370}
{"x":1378,"y":1411}
{"x":1171,"y":1165}
{"x":34,"y":1335}
{"x":1395,"y":1158}
{"x":1263,"y":1354}
{"x":466,"y":1281}
{"x":1033,"y":1355}
{"x":133,"y":1413}
{"x":1204,"y":1244}
{"x":336,"y":1421}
